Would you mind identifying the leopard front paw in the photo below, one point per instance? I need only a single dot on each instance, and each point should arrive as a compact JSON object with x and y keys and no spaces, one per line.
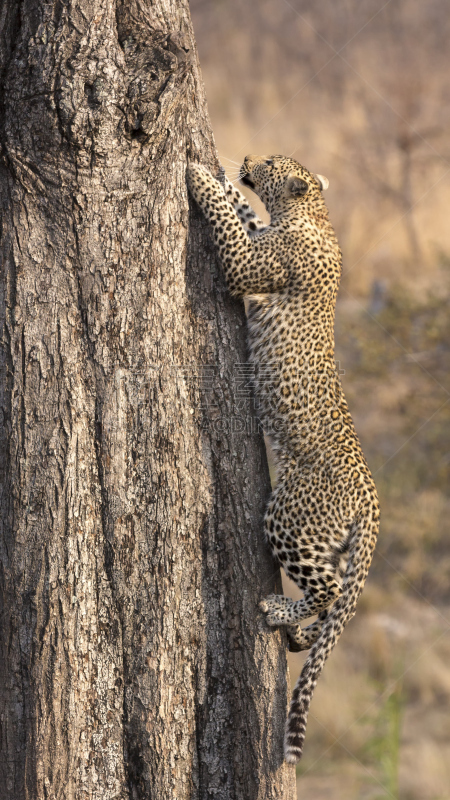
{"x":203,"y":186}
{"x":197,"y":176}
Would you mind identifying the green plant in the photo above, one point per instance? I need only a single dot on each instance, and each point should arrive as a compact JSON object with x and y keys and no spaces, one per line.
{"x":383,"y":748}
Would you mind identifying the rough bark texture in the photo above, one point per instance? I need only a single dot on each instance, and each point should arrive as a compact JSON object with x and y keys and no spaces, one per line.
{"x":133,"y":660}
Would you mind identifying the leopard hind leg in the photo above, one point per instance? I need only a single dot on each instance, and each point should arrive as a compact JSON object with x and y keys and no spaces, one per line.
{"x":303,"y":638}
{"x":311,"y":561}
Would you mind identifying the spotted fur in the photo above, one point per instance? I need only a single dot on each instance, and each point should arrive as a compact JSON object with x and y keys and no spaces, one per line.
{"x":322,"y":518}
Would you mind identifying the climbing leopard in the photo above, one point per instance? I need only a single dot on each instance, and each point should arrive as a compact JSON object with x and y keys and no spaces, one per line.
{"x":322,"y":518}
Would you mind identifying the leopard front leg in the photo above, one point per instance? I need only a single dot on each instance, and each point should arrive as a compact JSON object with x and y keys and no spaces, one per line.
{"x":249,"y":220}
{"x":251,"y":265}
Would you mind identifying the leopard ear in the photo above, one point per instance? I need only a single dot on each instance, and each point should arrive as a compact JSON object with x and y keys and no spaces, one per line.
{"x":296,"y":186}
{"x":322,"y":181}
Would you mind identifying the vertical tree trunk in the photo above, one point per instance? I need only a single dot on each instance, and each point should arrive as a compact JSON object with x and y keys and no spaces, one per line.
{"x":133,"y":659}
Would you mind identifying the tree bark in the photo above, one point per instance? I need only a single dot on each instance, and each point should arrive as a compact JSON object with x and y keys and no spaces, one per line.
{"x":133,"y":660}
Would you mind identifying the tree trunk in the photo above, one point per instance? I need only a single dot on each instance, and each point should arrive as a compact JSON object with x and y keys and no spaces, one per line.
{"x":133,"y":660}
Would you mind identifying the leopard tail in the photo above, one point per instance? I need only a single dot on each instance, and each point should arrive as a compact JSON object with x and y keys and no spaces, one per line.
{"x":361,"y":549}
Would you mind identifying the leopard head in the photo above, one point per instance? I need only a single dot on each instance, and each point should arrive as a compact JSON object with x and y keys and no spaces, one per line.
{"x":282,"y":183}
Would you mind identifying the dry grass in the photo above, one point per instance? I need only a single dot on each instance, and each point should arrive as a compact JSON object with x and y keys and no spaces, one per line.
{"x":379,"y":722}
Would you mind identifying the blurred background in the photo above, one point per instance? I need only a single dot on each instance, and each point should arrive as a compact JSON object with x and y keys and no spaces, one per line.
{"x":359,"y":91}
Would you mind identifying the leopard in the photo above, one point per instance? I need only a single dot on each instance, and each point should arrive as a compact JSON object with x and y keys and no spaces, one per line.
{"x":322,"y":517}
